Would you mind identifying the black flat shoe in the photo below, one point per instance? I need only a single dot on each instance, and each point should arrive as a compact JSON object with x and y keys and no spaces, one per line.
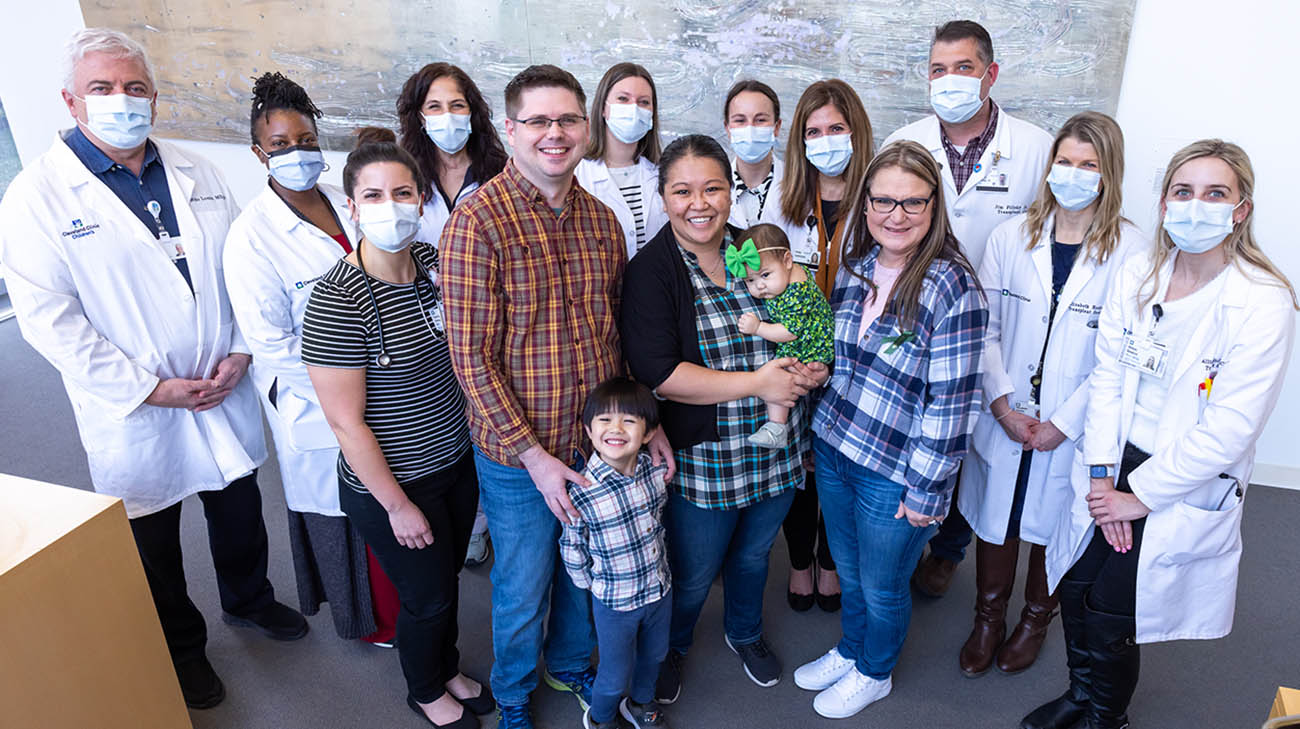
{"x":200,"y":685}
{"x":482,"y":704}
{"x":800,"y":603}
{"x":466,"y":720}
{"x":276,"y":621}
{"x":829,"y":603}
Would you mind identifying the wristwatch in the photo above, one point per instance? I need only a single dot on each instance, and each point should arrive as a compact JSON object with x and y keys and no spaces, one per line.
{"x":1099,"y":471}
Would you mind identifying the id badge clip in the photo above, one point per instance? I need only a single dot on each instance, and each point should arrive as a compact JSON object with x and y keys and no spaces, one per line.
{"x":1144,"y":354}
{"x":995,"y":181}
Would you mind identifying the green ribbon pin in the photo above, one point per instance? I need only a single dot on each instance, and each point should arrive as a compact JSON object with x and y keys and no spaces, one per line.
{"x":746,"y":256}
{"x":898,"y":341}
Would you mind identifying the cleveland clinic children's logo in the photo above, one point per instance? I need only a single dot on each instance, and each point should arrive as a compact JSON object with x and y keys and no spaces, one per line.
{"x":79,"y":229}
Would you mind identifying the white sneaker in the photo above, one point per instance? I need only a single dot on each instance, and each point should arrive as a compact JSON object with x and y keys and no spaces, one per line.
{"x":823,"y":672}
{"x":479,"y":548}
{"x":851,"y":694}
{"x":770,"y":435}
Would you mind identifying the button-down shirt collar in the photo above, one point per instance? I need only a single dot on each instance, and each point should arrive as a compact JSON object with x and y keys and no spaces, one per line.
{"x":963,"y":163}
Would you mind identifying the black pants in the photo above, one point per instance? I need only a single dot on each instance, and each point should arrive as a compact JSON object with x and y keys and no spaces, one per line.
{"x":237,"y":538}
{"x":426,"y":579}
{"x":954,"y":534}
{"x":805,"y":529}
{"x":1113,"y":575}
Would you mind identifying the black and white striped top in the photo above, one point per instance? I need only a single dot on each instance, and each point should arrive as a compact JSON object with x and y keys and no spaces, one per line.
{"x":415,"y":407}
{"x":629,"y":185}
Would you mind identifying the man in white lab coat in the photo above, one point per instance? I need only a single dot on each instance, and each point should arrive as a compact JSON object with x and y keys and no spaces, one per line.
{"x":992,"y":165}
{"x":111,"y":245}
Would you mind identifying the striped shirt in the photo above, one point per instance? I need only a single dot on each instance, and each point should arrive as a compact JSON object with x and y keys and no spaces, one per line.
{"x":616,"y":548}
{"x":532,"y":300}
{"x":729,"y":473}
{"x":414,"y":407}
{"x":629,"y":184}
{"x":900,"y":403}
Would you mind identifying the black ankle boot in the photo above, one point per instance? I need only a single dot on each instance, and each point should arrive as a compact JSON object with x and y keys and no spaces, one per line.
{"x":1069,"y":708}
{"x":1115,"y":658}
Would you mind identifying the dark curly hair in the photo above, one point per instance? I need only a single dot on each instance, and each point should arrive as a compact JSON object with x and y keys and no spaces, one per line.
{"x":273,"y":91}
{"x":487,"y":156}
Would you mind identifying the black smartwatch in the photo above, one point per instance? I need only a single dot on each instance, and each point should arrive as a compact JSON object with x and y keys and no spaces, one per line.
{"x":1099,"y":471}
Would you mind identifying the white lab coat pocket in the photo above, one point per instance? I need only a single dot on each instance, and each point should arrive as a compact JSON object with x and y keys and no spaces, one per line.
{"x":1190,"y":587}
{"x":305,"y":421}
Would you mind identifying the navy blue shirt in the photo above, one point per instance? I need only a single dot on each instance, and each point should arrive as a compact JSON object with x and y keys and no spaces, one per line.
{"x":134,"y":192}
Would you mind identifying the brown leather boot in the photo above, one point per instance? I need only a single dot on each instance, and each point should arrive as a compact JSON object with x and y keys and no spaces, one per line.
{"x":995,"y":574}
{"x":933,"y":575}
{"x":1021,"y":649}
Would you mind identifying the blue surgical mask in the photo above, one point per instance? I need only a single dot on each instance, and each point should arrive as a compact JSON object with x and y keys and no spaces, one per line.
{"x":1074,"y":187}
{"x":956,"y":98}
{"x":629,"y":122}
{"x":119,"y":120}
{"x":1197,"y":226}
{"x":753,"y":143}
{"x":297,"y":168}
{"x":830,"y":154}
{"x":449,"y":131}
{"x":389,"y":226}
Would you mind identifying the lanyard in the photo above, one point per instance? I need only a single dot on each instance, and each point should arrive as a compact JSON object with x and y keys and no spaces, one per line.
{"x":155,"y":209}
{"x":829,"y":266}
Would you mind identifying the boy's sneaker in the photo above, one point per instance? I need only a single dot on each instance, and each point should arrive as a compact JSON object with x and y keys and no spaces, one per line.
{"x":517,"y":716}
{"x":770,"y":435}
{"x":577,"y":683}
{"x":643,"y":716}
{"x":618,"y":722}
{"x":761,"y":665}
{"x":669,"y":684}
{"x":480,"y":548}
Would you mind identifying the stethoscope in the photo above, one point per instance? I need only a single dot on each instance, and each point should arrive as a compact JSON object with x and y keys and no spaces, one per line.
{"x":384,"y":360}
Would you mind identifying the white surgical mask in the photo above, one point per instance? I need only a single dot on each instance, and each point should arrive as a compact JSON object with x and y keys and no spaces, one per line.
{"x":753,"y":143}
{"x":297,"y":168}
{"x":1074,"y":187}
{"x":389,"y":226}
{"x":121,"y":121}
{"x":956,"y":98}
{"x":829,"y":153}
{"x":449,"y":131}
{"x":1197,"y":226}
{"x":629,"y":122}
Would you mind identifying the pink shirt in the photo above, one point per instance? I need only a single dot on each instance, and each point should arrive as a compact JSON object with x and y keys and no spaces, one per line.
{"x":884,"y":278}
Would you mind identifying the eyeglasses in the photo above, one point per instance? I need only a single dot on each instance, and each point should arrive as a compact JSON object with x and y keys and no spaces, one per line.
{"x":911,"y":206}
{"x":543,"y":123}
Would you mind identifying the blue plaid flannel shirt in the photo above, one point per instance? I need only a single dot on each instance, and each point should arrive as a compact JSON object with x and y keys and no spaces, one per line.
{"x":899,"y":406}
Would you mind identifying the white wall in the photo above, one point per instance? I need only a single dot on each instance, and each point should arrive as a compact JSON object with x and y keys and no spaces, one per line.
{"x":1195,"y":68}
{"x":1204,"y":68}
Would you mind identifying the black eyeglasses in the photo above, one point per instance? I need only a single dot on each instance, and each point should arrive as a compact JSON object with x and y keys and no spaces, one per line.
{"x":543,"y":123}
{"x":911,"y":206}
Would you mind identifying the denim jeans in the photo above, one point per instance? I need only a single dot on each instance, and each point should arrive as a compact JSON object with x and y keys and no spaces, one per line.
{"x":875,"y":554}
{"x":702,"y":542}
{"x":632,"y":645}
{"x":527,"y":581}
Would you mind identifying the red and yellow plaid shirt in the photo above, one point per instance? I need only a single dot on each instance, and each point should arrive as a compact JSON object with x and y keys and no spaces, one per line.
{"x":531,"y":299}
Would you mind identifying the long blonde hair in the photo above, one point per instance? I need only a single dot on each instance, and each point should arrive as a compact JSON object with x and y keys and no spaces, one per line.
{"x":939,"y":243}
{"x":1105,"y":136}
{"x":1240,"y":245}
{"x":799,"y":186}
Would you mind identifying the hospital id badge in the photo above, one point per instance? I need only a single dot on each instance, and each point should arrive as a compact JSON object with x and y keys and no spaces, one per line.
{"x":1027,"y":407}
{"x":1144,"y":354}
{"x":173,"y":246}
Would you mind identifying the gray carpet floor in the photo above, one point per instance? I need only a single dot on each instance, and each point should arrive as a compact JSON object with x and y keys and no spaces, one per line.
{"x":324,"y":682}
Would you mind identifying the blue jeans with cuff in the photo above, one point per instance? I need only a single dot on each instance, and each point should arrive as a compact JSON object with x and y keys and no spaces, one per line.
{"x":875,"y":554}
{"x":528,"y":581}
{"x":632,"y":645}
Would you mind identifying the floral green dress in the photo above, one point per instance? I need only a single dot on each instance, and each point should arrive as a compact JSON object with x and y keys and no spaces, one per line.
{"x":803,"y":310}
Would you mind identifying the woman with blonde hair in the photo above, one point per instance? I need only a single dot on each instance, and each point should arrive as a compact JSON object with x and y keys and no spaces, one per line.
{"x":1046,"y":273}
{"x":1192,"y":349}
{"x":891,"y":427}
{"x":826,"y":159}
{"x":621,"y":167}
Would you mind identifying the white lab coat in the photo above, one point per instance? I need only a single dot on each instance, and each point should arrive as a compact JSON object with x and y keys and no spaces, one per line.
{"x":1191,"y":546}
{"x":435,"y":215}
{"x":273,"y":260}
{"x":1021,"y":151}
{"x":1018,"y":285}
{"x":594,"y":177}
{"x":771,"y":207}
{"x":97,"y":296}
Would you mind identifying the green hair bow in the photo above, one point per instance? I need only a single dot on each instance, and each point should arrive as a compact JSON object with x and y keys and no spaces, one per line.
{"x":746,"y":256}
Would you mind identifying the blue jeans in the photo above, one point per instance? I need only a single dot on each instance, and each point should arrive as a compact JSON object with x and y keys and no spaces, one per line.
{"x":736,"y":542}
{"x":632,"y":645}
{"x":527,"y":580}
{"x":875,"y":554}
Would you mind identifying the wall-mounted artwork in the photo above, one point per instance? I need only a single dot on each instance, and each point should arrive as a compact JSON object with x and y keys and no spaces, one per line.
{"x":1057,"y":57}
{"x":9,"y":162}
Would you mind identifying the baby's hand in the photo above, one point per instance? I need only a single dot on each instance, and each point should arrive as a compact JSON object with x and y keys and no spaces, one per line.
{"x":748,"y":323}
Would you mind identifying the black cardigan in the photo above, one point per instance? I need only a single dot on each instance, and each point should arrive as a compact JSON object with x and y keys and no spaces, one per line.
{"x":658,"y":329}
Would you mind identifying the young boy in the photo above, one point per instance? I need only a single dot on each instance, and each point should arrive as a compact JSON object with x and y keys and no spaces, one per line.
{"x":616,"y":550}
